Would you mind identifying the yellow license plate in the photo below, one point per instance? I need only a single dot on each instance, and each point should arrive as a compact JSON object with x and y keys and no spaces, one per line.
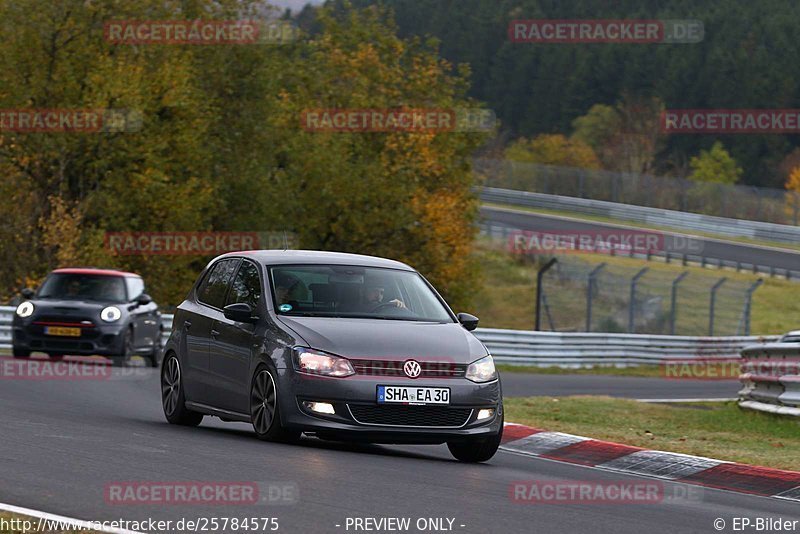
{"x":62,"y":331}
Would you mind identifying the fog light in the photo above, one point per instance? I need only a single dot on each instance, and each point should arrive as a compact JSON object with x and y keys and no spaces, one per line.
{"x":485,"y":414}
{"x":319,"y":407}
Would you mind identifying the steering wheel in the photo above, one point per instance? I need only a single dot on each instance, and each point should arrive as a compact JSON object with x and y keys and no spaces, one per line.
{"x":385,"y":305}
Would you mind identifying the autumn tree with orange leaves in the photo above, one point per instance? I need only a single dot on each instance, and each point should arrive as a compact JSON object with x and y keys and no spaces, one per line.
{"x":221,"y":147}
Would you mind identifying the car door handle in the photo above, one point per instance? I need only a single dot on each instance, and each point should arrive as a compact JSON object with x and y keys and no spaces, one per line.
{"x":187,"y":324}
{"x":214,"y":333}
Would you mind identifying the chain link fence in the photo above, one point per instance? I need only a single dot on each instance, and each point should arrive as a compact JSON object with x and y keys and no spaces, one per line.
{"x":721,"y":200}
{"x":577,"y":294}
{"x":581,"y":296}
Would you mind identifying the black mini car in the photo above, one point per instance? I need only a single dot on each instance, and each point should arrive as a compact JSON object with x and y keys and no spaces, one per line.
{"x":89,"y":312}
{"x":341,"y":346}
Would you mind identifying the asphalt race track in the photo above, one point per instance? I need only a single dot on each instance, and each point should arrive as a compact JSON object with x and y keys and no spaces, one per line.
{"x":715,"y":249}
{"x":629,"y":387}
{"x":65,"y":441}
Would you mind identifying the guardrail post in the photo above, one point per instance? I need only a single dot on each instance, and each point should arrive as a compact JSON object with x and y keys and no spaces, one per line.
{"x":632,"y":304}
{"x":713,"y":303}
{"x":674,"y":301}
{"x":539,"y":276}
{"x":795,"y":206}
{"x":748,"y":302}
{"x":590,"y":294}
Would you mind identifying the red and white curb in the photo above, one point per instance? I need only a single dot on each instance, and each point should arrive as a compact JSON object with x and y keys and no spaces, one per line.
{"x":672,"y":466}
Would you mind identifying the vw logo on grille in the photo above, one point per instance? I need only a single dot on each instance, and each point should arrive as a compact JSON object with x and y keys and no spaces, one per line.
{"x":412,"y":369}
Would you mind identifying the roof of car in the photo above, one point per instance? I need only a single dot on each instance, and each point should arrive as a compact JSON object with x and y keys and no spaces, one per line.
{"x":289,"y":257}
{"x":98,"y":272}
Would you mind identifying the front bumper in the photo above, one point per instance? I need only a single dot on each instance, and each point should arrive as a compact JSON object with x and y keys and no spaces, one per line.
{"x":359,"y":417}
{"x":101,"y":340}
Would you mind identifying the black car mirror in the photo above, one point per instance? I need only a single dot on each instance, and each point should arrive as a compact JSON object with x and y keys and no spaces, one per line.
{"x":240,"y":312}
{"x":144,"y":299}
{"x":470,"y":322}
{"x":28,"y":293}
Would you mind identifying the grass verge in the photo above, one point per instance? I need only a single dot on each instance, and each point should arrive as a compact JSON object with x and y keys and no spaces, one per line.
{"x":717,"y":430}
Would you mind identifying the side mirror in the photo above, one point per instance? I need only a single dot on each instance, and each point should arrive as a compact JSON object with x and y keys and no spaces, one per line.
{"x":28,"y":293}
{"x":144,"y":299}
{"x":240,"y":312}
{"x":470,"y":322}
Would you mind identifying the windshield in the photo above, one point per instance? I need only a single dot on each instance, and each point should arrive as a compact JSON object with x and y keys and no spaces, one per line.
{"x":72,"y":286}
{"x":358,"y":292}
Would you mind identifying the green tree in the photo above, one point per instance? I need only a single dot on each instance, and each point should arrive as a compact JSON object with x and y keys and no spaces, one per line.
{"x":715,"y":166}
{"x":554,"y":149}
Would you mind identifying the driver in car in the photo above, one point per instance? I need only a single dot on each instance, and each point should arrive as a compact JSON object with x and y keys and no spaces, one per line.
{"x":373,"y":298}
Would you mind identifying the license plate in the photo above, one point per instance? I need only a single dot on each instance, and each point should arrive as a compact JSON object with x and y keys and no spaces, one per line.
{"x":412,"y":395}
{"x":62,"y":331}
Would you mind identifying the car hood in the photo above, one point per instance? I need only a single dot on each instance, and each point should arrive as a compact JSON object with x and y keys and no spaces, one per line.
{"x":388,"y":340}
{"x":70,"y":307}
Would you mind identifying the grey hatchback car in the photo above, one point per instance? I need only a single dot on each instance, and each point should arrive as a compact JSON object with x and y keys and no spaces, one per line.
{"x":338,"y":346}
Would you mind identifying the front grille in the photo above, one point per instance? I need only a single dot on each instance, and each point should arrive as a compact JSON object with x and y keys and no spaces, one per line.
{"x":401,"y":415}
{"x":89,"y":331}
{"x":67,"y":320}
{"x":395,"y":368}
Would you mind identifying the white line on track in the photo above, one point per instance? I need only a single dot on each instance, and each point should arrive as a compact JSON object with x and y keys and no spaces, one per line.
{"x":78,"y":524}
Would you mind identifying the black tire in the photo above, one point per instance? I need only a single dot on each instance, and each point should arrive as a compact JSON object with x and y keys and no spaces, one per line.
{"x":265,"y":414}
{"x":124,"y":359}
{"x":21,"y":353}
{"x":477,"y":450}
{"x":154,"y":358}
{"x":173,"y":400}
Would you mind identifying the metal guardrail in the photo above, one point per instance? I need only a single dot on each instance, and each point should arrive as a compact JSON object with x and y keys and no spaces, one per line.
{"x":764,"y":231}
{"x":520,"y":347}
{"x":771,"y":378}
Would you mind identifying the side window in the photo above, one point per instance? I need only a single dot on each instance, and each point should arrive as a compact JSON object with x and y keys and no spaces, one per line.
{"x":246,"y":286}
{"x":213,"y":289}
{"x":135,"y":287}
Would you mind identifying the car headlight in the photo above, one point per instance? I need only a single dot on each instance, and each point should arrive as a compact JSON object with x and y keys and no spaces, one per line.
{"x":110,"y":314}
{"x":25,"y":309}
{"x":318,"y":363}
{"x":482,"y":370}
